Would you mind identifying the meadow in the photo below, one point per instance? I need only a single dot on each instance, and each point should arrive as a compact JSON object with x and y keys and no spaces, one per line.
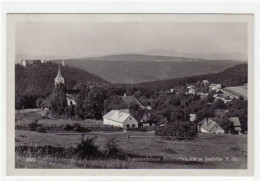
{"x":135,"y":149}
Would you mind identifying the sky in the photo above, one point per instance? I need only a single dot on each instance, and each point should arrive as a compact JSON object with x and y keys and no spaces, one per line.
{"x":88,"y":39}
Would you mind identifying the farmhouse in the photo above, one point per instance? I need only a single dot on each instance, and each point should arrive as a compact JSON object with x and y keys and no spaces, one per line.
{"x":237,"y":125}
{"x":120,"y":118}
{"x":215,"y":86}
{"x":207,"y":125}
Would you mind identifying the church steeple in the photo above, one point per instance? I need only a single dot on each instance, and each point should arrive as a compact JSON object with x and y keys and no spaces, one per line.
{"x":59,"y":79}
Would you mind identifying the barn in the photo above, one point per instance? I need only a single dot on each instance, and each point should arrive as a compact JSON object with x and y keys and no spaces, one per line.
{"x":120,"y":118}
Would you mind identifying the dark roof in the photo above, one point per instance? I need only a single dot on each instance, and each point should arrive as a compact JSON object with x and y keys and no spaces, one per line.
{"x":216,"y":119}
{"x":131,"y":100}
{"x":220,"y":92}
{"x":71,"y":96}
{"x":146,"y":102}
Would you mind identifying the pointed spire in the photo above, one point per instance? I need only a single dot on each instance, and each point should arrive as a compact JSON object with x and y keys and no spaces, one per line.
{"x":59,"y":73}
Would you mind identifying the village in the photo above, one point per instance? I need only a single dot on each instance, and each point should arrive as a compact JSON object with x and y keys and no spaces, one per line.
{"x":141,"y":117}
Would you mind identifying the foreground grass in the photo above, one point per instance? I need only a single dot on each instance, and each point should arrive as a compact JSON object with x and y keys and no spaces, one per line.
{"x":207,"y":145}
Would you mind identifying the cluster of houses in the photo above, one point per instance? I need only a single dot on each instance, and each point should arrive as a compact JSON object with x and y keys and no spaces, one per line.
{"x":224,"y":94}
{"x":123,"y":118}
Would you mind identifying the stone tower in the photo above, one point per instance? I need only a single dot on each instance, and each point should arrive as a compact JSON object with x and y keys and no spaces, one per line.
{"x":59,"y":79}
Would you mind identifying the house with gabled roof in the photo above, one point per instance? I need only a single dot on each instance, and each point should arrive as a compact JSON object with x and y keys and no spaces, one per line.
{"x":236,"y":124}
{"x":207,"y":125}
{"x":131,"y":100}
{"x":120,"y":118}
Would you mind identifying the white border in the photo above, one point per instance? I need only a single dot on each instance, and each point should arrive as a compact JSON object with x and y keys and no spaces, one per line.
{"x":126,"y":7}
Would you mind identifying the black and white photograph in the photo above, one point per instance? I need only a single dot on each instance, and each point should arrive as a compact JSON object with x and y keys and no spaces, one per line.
{"x":131,"y":91}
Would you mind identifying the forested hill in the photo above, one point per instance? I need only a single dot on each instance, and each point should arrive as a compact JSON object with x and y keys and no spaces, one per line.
{"x":38,"y":78}
{"x":233,"y":76}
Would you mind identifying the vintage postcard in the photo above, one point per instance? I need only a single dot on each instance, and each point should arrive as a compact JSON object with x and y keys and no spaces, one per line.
{"x":130,"y":94}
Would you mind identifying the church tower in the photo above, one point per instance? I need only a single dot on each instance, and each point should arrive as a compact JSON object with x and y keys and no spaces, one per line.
{"x":59,"y":79}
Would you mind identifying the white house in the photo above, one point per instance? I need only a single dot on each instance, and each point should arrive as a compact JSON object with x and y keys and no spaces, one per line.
{"x":215,"y":86}
{"x":71,"y":99}
{"x":120,"y":118}
{"x":192,"y":117}
{"x":205,"y":82}
{"x":191,"y":90}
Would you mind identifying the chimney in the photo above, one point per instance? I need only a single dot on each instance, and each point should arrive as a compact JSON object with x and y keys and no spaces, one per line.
{"x":124,"y":94}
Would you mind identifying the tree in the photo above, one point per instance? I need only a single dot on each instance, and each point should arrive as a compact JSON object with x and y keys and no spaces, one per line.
{"x":39,"y":102}
{"x":219,"y":104}
{"x":58,"y":102}
{"x":113,"y":103}
{"x":136,"y":111}
{"x":204,"y":113}
{"x":94,"y":102}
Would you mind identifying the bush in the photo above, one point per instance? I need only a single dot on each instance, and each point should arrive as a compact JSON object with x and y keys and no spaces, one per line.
{"x":137,"y":129}
{"x":41,"y":129}
{"x":68,"y":127}
{"x":33,"y":126}
{"x":179,"y":130}
{"x":87,"y":149}
{"x":111,"y":146}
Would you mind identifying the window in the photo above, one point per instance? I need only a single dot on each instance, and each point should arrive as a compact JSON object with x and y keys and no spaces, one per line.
{"x":133,"y":125}
{"x":130,"y":118}
{"x":128,"y":126}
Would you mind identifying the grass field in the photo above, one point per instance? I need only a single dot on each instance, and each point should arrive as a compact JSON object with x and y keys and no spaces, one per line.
{"x":208,"y":149}
{"x":207,"y":145}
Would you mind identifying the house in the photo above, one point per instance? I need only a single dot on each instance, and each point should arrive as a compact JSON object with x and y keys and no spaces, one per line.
{"x":208,"y":125}
{"x":236,"y":124}
{"x":205,"y":82}
{"x":220,"y":93}
{"x":146,"y":103}
{"x":120,"y":118}
{"x":203,"y":95}
{"x":215,"y":86}
{"x":26,"y":62}
{"x":192,"y":117}
{"x":43,"y":61}
{"x":220,"y":113}
{"x":131,"y":100}
{"x":71,"y":99}
{"x":191,"y":90}
{"x":63,"y":63}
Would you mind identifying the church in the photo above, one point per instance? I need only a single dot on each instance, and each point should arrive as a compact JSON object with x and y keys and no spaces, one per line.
{"x":59,"y":79}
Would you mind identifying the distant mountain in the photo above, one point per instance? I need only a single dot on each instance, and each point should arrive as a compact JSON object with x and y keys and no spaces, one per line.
{"x":219,"y":56}
{"x":139,"y":57}
{"x":234,"y":76}
{"x":38,"y":78}
{"x":137,"y":68}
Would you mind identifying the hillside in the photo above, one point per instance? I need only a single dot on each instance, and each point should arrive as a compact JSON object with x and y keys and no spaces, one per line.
{"x":38,"y":78}
{"x":219,"y":56}
{"x":137,"y":68}
{"x":233,"y":76}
